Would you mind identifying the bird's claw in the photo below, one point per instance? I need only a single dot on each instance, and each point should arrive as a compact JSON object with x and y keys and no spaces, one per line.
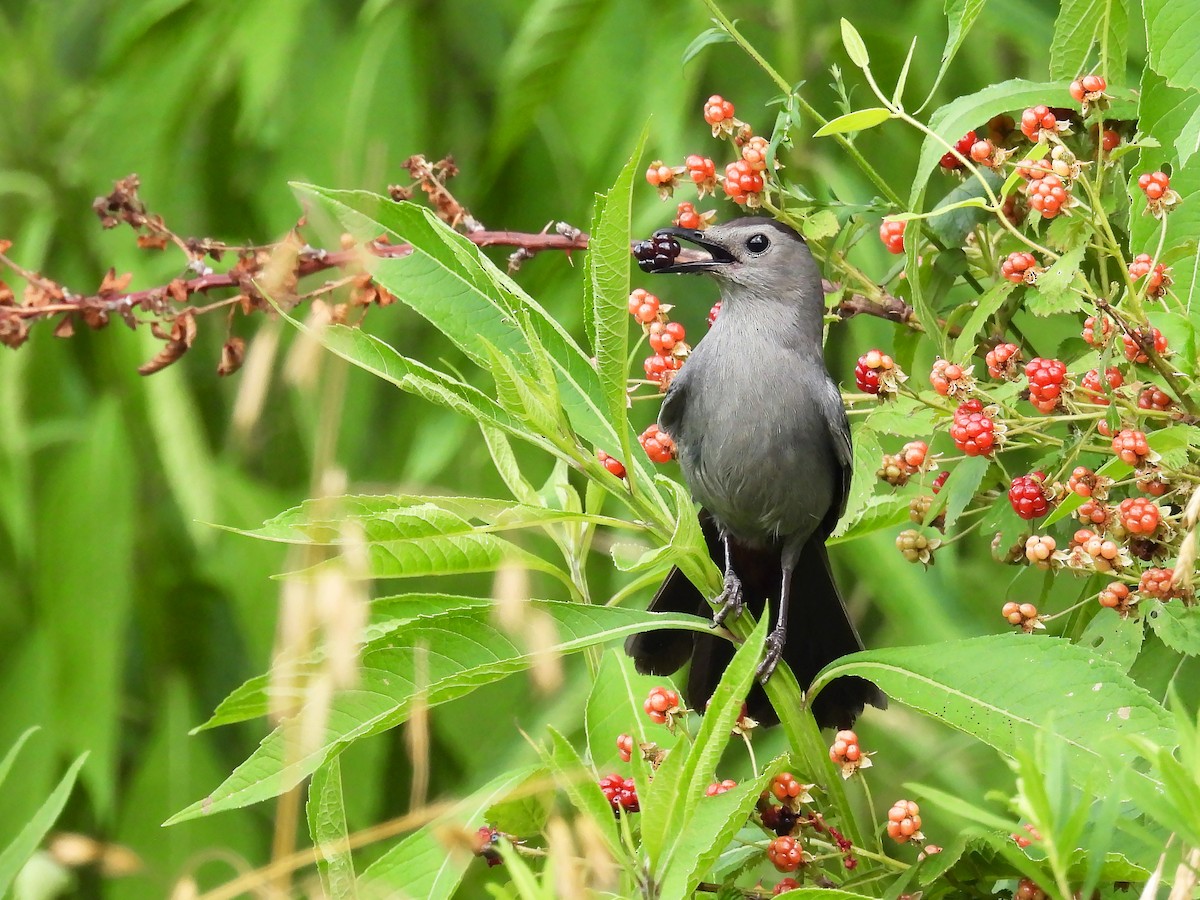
{"x":730,"y":600}
{"x":774,"y":650}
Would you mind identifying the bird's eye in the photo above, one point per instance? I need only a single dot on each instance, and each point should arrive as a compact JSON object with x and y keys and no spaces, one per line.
{"x":757,"y":243}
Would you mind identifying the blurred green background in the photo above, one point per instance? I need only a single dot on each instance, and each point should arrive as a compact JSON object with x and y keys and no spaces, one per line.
{"x":124,"y":616}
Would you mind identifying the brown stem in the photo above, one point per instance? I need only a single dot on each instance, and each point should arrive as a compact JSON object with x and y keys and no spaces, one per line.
{"x":1145,"y":343}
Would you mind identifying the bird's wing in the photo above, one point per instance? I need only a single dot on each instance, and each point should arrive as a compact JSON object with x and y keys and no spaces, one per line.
{"x":839,"y":433}
{"x":670,"y":414}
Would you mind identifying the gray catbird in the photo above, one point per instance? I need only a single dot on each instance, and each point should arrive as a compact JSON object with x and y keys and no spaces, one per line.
{"x":764,"y":446}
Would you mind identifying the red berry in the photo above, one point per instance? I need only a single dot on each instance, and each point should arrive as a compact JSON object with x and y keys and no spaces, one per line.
{"x":1089,"y":330}
{"x":665,"y":336}
{"x":643,"y":306}
{"x":719,"y":787}
{"x":1048,"y":195}
{"x":963,"y":145}
{"x":1115,"y":596}
{"x":1046,"y":379}
{"x":742,"y":184}
{"x":1092,"y":512}
{"x":613,"y":465}
{"x":701,"y":169}
{"x":1149,"y":335}
{"x":981,"y":152}
{"x":1028,"y":496}
{"x":904,"y":821}
{"x":1131,"y":446}
{"x":1158,"y":277}
{"x":660,"y":704}
{"x":1019,"y":267}
{"x":785,"y":854}
{"x":1022,"y":614}
{"x":788,"y":884}
{"x":1037,"y":119}
{"x":1139,"y":515}
{"x":785,"y":787}
{"x":687,"y":217}
{"x":1002,"y":359}
{"x":846,"y":752}
{"x":1082,"y":481}
{"x":1154,"y":398}
{"x":1028,"y":890}
{"x":717,"y":110}
{"x":660,"y":175}
{"x":1154,"y":184}
{"x":625,"y":746}
{"x":1110,"y":140}
{"x":947,"y":378}
{"x":1156,"y":583}
{"x":1093,"y":387}
{"x":754,"y":152}
{"x":973,"y":431}
{"x":1039,"y":549}
{"x":713,"y":313}
{"x":659,"y":367}
{"x":621,"y":793}
{"x":914,"y":454}
{"x":871,"y":365}
{"x":891,"y":233}
{"x":939,"y":481}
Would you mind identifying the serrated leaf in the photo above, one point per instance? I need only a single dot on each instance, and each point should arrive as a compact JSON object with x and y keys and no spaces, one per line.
{"x":900,"y":417}
{"x":859,"y":120}
{"x":855,"y":48}
{"x":614,"y":707}
{"x":1083,"y":701}
{"x":1053,"y":293}
{"x":429,"y":661}
{"x":960,"y":16}
{"x":963,"y":209}
{"x":960,"y":488}
{"x":879,"y":513}
{"x":867,"y":451}
{"x":820,"y":225}
{"x":986,"y":305}
{"x":421,"y":865}
{"x":1176,"y":625}
{"x":1172,"y":35}
{"x":1114,"y":637}
{"x":1082,"y":25}
{"x":326,"y":814}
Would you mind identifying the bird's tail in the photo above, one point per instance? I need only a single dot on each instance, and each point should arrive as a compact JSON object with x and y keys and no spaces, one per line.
{"x":819,"y":631}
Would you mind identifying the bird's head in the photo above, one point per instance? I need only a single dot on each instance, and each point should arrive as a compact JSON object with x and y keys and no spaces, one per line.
{"x":755,"y":252}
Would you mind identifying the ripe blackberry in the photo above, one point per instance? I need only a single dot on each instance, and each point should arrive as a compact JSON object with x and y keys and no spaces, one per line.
{"x":973,"y":431}
{"x":1046,"y":380}
{"x":658,"y":252}
{"x":1028,"y":496}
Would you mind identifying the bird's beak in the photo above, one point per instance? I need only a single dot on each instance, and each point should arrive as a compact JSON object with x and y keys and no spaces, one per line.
{"x":711,"y":256}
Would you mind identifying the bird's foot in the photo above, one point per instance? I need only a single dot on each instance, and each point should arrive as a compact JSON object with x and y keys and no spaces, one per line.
{"x":774,"y":650}
{"x":730,"y":600}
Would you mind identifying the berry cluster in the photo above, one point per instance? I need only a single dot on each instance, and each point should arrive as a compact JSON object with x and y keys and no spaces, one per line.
{"x":1158,"y":277}
{"x":657,"y":444}
{"x":913,"y":458}
{"x":891,"y":232}
{"x":973,"y":430}
{"x":621,"y":793}
{"x":1021,"y":267}
{"x":1003,"y":360}
{"x":1028,"y":496}
{"x":877,"y":373}
{"x":1046,"y":380}
{"x":659,"y":252}
{"x":1023,"y":615}
{"x":847,"y":754}
{"x":662,"y":705}
{"x":951,"y":380}
{"x":1160,"y":197}
{"x":904,"y":822}
{"x":666,"y":338}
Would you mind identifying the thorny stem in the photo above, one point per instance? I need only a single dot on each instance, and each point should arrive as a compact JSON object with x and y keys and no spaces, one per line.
{"x":1146,"y":345}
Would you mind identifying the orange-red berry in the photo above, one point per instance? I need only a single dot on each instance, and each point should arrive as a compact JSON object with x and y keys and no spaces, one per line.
{"x":891,"y":233}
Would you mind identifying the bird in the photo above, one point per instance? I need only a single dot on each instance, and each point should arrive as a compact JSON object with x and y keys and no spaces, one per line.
{"x":763,"y":445}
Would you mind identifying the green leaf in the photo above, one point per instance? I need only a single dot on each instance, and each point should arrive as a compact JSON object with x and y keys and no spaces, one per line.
{"x":1053,"y":293}
{"x":1083,"y":700}
{"x":820,"y":225}
{"x":608,"y":275}
{"x":17,"y":853}
{"x":326,"y":813}
{"x":822,"y":894}
{"x":986,"y":305}
{"x":960,"y":16}
{"x":614,"y":707}
{"x":859,"y":120}
{"x":1176,"y":625}
{"x":421,"y":865}
{"x":427,"y":662}
{"x":879,"y":513}
{"x":867,"y":451}
{"x":1114,"y":637}
{"x":959,"y":489}
{"x":1172,"y":35}
{"x":962,"y":209}
{"x":581,"y":787}
{"x":10,"y":757}
{"x":1082,"y":25}
{"x":855,"y":48}
{"x":900,"y":417}
{"x":959,"y":116}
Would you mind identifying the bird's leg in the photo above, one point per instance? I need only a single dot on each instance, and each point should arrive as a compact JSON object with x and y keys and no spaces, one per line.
{"x":730,"y":598}
{"x":778,"y":634}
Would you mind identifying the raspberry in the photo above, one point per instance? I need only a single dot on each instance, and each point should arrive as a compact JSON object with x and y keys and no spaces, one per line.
{"x":1048,"y":195}
{"x":916,"y":547}
{"x":1028,"y":890}
{"x":1037,"y":122}
{"x":1028,"y":496}
{"x":845,"y":748}
{"x":621,"y":793}
{"x":1023,"y":614}
{"x":915,"y":454}
{"x":1156,"y":583}
{"x":785,"y":854}
{"x":1154,"y":184}
{"x":973,"y":431}
{"x":951,"y":380}
{"x":891,"y":233}
{"x":1110,"y":140}
{"x":660,"y":369}
{"x":1020,"y":267}
{"x":1147,"y":336}
{"x":1116,"y":596}
{"x":717,"y":111}
{"x":1092,"y":512}
{"x":1153,"y":484}
{"x":1089,"y":330}
{"x":1039,"y":550}
{"x":1088,"y":88}
{"x":661,"y":704}
{"x":1002,"y":361}
{"x":754,"y":152}
{"x":872,"y":367}
{"x":713,"y":313}
{"x":963,"y":145}
{"x":893,"y":470}
{"x":786,"y":788}
{"x":939,"y":481}
{"x":625,"y":746}
{"x":743,"y":184}
{"x":687,"y":217}
{"x":719,"y":787}
{"x":904,"y":822}
{"x":1158,"y":277}
{"x":613,"y":465}
{"x":664,"y":337}
{"x":703,"y":172}
{"x":788,"y":884}
{"x":1093,"y":388}
{"x":643,"y":306}
{"x":1154,"y":398}
{"x":661,"y":176}
{"x":656,"y":253}
{"x":1046,"y":378}
{"x":981,"y":152}
{"x":1131,"y":446}
{"x":1082,"y":481}
{"x":1139,"y":515}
